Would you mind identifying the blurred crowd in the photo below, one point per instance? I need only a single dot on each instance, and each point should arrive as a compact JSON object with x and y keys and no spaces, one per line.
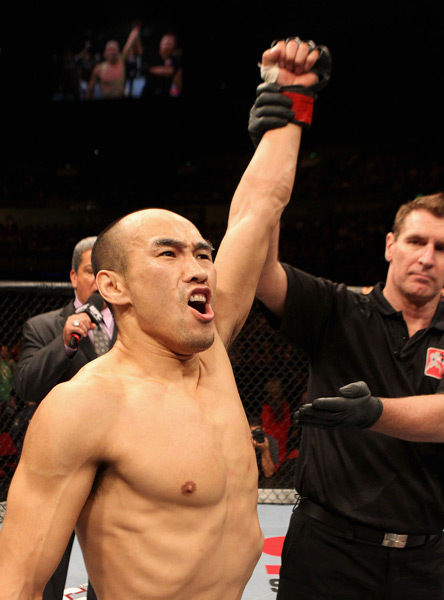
{"x":345,"y":201}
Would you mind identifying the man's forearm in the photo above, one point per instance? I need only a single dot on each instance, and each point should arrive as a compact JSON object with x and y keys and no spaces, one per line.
{"x":266,"y":186}
{"x":132,"y":43}
{"x":259,"y":200}
{"x":415,"y":418}
{"x":268,"y":466}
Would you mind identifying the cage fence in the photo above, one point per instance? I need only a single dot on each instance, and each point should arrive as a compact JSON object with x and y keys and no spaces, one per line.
{"x":271,"y":377}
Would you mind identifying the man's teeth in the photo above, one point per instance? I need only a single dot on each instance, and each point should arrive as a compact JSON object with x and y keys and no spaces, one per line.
{"x":198,"y":298}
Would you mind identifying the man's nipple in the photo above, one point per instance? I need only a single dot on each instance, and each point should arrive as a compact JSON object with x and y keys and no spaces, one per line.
{"x":189,"y":487}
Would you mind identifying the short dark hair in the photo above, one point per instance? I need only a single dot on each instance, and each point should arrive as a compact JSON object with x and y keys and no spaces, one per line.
{"x":433,"y":203}
{"x":254,"y":420}
{"x":108,"y":251}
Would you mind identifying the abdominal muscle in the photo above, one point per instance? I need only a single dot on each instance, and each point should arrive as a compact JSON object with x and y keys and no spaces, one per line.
{"x":168,"y":553}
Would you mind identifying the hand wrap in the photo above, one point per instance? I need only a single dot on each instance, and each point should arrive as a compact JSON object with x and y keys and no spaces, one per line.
{"x":355,"y":407}
{"x":322,"y":67}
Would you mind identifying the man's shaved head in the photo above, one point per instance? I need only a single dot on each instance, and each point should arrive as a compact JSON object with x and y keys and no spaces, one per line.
{"x":110,"y":252}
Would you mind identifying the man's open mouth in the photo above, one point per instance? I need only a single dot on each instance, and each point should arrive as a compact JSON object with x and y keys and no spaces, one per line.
{"x":198,"y":302}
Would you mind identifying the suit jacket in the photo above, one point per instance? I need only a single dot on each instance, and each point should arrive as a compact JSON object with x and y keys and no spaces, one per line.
{"x":43,"y":362}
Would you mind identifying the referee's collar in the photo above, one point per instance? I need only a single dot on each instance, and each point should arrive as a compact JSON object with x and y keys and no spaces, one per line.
{"x":386,"y":308}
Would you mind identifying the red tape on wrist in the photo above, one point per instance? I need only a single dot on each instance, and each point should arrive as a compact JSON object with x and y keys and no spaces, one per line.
{"x":302,"y":107}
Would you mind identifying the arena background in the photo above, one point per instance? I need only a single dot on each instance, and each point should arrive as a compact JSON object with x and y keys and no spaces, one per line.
{"x":69,"y":167}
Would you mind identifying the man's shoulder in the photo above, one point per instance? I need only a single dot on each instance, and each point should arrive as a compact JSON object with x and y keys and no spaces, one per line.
{"x":73,"y":421}
{"x":85,"y":394}
{"x":308,"y":286}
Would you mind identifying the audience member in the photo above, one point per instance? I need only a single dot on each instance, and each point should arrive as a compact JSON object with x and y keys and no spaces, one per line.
{"x":108,"y":78}
{"x":276,"y":417}
{"x":267,"y":450}
{"x":85,"y":64}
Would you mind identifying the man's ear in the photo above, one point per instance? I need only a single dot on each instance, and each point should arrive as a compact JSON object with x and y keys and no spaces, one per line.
{"x":112,"y":287}
{"x":73,"y":278}
{"x":389,"y":241}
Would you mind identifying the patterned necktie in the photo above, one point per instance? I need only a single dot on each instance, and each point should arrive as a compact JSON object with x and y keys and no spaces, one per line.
{"x":101,"y":341}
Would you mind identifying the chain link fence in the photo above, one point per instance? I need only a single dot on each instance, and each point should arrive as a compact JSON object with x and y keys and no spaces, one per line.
{"x":271,"y":377}
{"x":18,"y":302}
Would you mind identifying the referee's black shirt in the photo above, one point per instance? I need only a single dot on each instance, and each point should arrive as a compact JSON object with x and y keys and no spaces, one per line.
{"x":380,"y":481}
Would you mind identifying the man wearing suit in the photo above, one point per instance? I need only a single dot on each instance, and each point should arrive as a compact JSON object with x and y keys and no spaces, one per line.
{"x":47,"y":359}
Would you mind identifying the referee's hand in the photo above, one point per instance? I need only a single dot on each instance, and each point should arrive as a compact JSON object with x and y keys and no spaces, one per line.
{"x":354,"y":407}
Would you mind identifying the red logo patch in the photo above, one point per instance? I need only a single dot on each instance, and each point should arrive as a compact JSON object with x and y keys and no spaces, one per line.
{"x":434,"y":363}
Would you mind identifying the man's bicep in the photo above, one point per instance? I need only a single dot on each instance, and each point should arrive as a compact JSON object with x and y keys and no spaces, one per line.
{"x":58,"y":448}
{"x":238,"y":265}
{"x":46,"y":495}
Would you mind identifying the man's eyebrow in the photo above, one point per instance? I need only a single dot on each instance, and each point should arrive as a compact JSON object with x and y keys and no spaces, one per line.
{"x":422,"y":237}
{"x":204,"y":245}
{"x":168,"y":242}
{"x":174,"y":243}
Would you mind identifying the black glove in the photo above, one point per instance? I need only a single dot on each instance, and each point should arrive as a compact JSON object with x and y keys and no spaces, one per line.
{"x":355,"y":407}
{"x":270,"y":111}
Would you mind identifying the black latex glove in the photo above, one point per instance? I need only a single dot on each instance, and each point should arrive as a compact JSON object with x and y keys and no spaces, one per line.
{"x":270,"y":111}
{"x":355,"y":407}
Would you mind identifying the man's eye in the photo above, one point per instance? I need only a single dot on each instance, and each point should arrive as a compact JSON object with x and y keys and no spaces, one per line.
{"x":204,"y":256}
{"x":167,"y":253}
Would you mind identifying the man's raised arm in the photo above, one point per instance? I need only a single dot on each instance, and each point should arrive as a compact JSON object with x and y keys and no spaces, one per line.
{"x":292,"y":69}
{"x":133,"y":42}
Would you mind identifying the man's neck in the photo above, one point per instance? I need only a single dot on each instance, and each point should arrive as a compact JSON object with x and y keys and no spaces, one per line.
{"x":148,"y":358}
{"x":416,"y":315}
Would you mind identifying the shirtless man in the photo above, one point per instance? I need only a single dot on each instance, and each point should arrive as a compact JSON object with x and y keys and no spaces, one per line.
{"x":110,"y":74}
{"x":147,"y":451}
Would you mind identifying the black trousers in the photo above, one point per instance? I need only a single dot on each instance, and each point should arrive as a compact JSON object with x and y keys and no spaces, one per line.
{"x":55,"y":587}
{"x":319,"y":563}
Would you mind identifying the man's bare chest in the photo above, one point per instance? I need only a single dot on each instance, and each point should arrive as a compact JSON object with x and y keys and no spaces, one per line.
{"x":109,"y":74}
{"x":179,"y":447}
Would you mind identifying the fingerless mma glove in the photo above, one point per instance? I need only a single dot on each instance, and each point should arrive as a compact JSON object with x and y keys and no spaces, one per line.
{"x":276,"y":105}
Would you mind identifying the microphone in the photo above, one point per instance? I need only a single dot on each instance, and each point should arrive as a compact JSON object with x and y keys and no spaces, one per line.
{"x":92,"y":308}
